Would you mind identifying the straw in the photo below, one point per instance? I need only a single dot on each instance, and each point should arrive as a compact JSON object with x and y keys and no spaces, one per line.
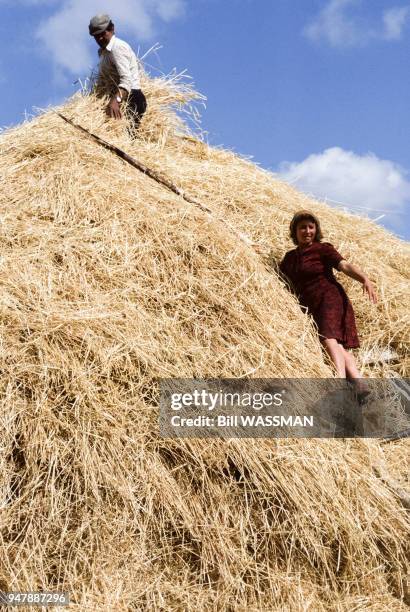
{"x":109,"y":282}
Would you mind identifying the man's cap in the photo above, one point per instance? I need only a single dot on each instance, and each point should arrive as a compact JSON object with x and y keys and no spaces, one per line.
{"x":98,"y":24}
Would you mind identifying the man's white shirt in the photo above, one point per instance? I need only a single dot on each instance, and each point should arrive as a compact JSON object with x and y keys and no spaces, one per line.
{"x":118,"y":67}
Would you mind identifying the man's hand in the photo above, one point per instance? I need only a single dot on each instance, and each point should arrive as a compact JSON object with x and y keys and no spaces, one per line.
{"x":113,"y":109}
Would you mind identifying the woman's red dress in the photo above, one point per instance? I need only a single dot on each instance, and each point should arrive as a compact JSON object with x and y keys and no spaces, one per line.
{"x":310,"y":273}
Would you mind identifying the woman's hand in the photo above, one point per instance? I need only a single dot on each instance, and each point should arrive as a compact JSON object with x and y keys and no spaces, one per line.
{"x":370,"y":290}
{"x":355,"y":273}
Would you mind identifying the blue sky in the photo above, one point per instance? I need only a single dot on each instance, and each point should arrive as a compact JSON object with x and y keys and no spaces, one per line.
{"x":318,"y":90}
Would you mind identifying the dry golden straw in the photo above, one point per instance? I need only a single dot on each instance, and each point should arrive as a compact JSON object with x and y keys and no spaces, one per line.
{"x":109,"y":281}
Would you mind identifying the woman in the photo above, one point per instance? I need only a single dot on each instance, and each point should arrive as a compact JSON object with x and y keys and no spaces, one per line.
{"x":309,"y":270}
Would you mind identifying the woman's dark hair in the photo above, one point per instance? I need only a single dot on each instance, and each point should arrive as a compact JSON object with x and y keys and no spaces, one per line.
{"x":304,"y":215}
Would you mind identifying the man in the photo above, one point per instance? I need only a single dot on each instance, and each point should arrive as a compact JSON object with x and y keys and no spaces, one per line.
{"x":118,"y":71}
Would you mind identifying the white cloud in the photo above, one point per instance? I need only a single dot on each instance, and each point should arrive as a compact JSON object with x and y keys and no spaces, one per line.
{"x":65,"y":37}
{"x":339,"y":26}
{"x":362,"y":182}
{"x":394,"y":21}
{"x":333,"y":25}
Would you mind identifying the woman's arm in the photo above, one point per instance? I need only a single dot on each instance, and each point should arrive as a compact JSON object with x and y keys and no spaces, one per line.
{"x":355,"y":273}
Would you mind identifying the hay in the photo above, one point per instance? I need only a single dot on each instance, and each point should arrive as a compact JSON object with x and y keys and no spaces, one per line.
{"x":109,"y":281}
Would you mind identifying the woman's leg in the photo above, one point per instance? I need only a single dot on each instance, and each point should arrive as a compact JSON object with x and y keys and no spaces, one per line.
{"x":354,"y":374}
{"x":336,"y":353}
{"x":346,"y":367}
{"x":352,"y":370}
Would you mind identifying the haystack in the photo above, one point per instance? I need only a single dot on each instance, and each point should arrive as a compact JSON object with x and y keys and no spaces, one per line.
{"x":110,"y":282}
